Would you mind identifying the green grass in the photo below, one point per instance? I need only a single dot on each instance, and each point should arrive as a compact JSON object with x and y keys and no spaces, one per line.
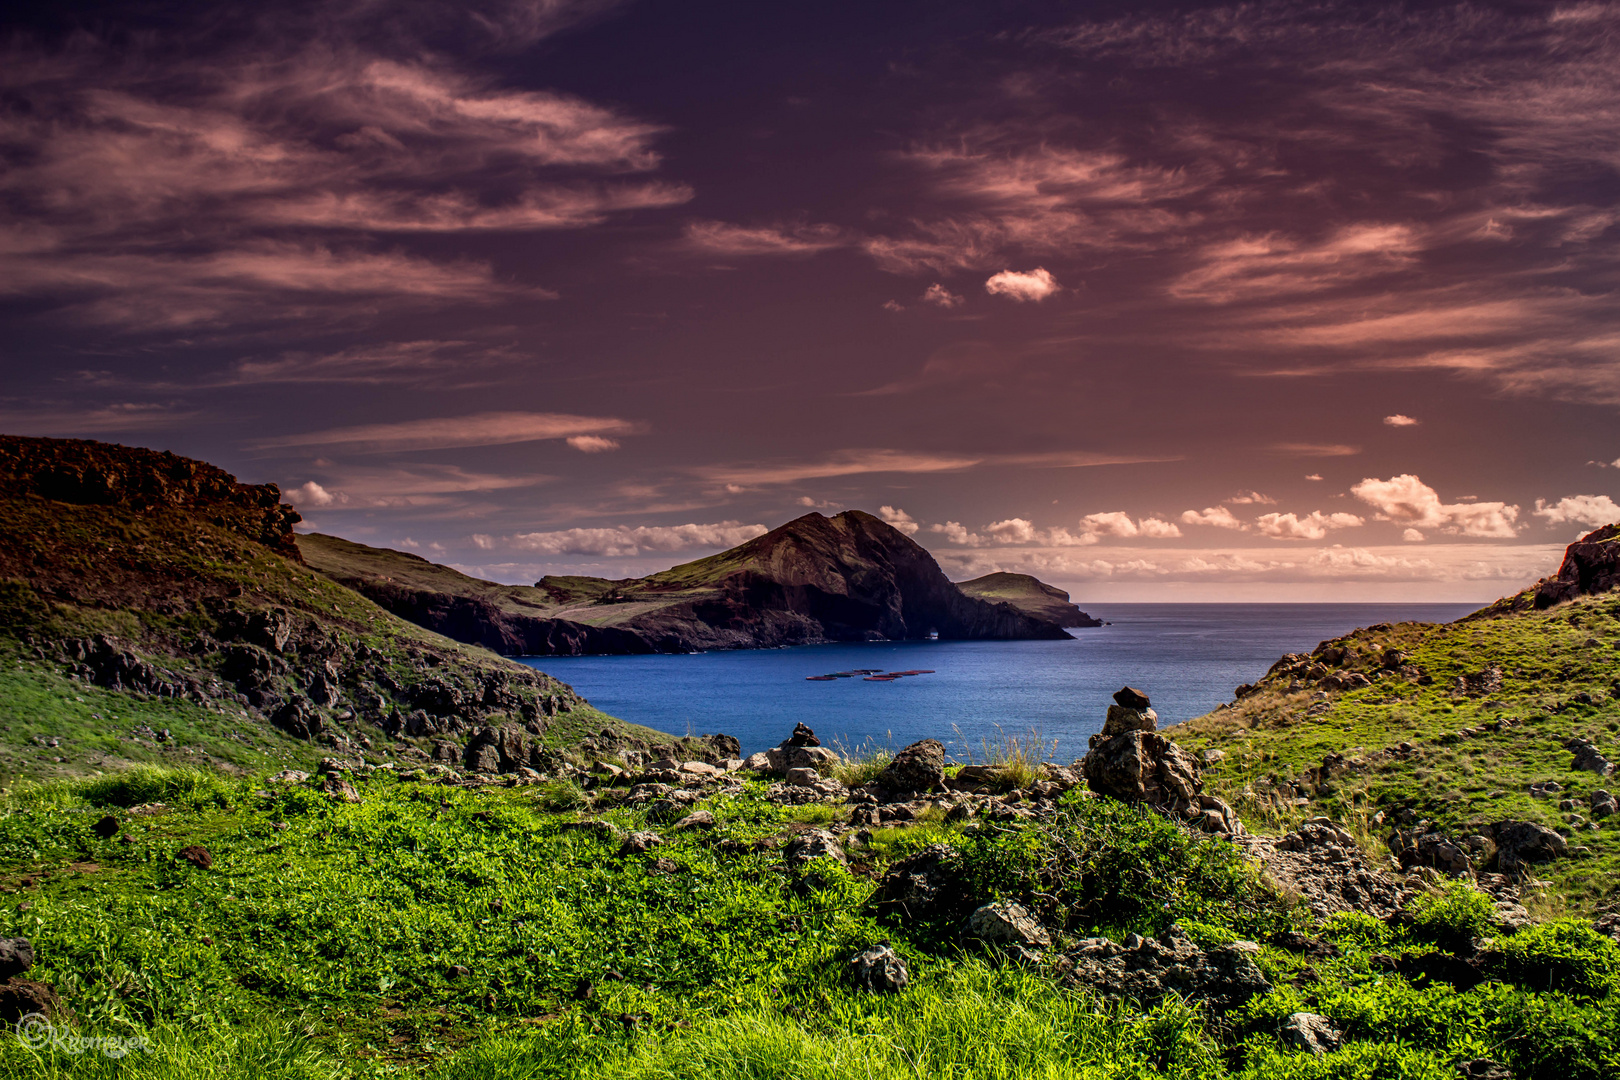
{"x":1561,"y":678}
{"x":325,"y":941}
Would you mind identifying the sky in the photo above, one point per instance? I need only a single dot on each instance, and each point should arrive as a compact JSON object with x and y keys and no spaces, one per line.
{"x":1159,"y":302}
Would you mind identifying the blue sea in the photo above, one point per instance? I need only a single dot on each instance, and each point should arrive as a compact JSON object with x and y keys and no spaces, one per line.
{"x":1187,"y":657}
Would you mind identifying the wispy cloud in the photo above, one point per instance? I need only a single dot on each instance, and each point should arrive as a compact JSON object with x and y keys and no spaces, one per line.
{"x":437,"y":433}
{"x":722,"y":238}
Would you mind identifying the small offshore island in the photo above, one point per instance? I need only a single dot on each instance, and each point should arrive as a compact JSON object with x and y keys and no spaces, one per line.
{"x":275,"y":807}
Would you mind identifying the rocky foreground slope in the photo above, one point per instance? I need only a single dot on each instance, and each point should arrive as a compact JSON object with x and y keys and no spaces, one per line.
{"x":851,"y":577}
{"x":152,"y":608}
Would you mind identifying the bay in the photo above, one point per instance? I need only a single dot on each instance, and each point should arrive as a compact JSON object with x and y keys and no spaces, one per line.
{"x":1187,"y":657}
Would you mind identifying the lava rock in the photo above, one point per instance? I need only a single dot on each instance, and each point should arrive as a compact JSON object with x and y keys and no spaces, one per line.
{"x":1003,"y":923}
{"x":924,"y":887}
{"x":1129,"y":698}
{"x":16,"y":956}
{"x":1146,"y":969}
{"x":1308,"y":1031}
{"x":918,"y":767}
{"x":1521,"y":842}
{"x":197,"y":856}
{"x":816,"y":844}
{"x":879,"y":969}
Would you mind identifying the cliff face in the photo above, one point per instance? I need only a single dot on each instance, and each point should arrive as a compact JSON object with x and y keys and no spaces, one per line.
{"x":1030,"y":595}
{"x":1591,"y":565}
{"x":847,"y":578}
{"x":82,"y":472}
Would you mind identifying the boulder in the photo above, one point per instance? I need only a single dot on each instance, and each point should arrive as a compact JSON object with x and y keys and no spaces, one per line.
{"x":1144,"y":970}
{"x":783,"y":758}
{"x":879,"y":970}
{"x":698,"y":819}
{"x":1141,"y":766}
{"x":1414,"y":849}
{"x":1521,"y":842}
{"x":918,"y":767}
{"x":25,"y":997}
{"x":638,"y":843}
{"x":16,"y":956}
{"x":802,"y":777}
{"x":815,"y":844}
{"x":924,"y":887}
{"x":196,"y":855}
{"x":1121,"y":719}
{"x":1603,"y":804}
{"x":1308,"y":1031}
{"x":1130,"y":698}
{"x":340,"y":789}
{"x":1587,"y":758}
{"x":760,"y":762}
{"x":1002,"y":923}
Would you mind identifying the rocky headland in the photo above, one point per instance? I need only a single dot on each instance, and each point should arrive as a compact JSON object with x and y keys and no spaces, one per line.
{"x":850,"y":577}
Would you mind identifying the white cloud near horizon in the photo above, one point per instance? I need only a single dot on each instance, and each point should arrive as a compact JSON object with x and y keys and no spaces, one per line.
{"x":625,"y":540}
{"x":1407,"y":500}
{"x":899,"y":519}
{"x":1594,"y":510}
{"x":1313,"y":526}
{"x":1218,"y":516}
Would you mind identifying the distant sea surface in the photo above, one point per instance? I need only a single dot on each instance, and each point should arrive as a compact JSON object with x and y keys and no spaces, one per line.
{"x":1187,"y":657}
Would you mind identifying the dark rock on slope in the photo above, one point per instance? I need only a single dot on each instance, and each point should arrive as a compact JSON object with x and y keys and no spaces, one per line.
{"x":1591,"y":565}
{"x":847,"y":578}
{"x":1030,"y":595}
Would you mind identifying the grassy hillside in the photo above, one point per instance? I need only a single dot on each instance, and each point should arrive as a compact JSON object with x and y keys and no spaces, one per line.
{"x":1028,"y":594}
{"x":128,"y":617}
{"x":1453,"y":726}
{"x":451,"y":933}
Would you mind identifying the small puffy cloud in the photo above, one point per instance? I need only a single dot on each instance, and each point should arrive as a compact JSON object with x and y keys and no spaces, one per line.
{"x":1157,"y":529}
{"x":893,"y":305}
{"x":1615,"y":464}
{"x":1218,"y":516}
{"x":1118,"y":523}
{"x":957,"y":533}
{"x":940,"y":296}
{"x":1412,"y":535}
{"x":1247,"y":498}
{"x":1012,"y":531}
{"x":625,"y":540}
{"x":1022,"y":285}
{"x":483,"y":541}
{"x":310,"y":494}
{"x":592,"y":444}
{"x":1399,"y":420}
{"x":1580,"y":509}
{"x":899,"y":519}
{"x":1313,"y":526}
{"x":1313,"y":476}
{"x":1407,"y":500}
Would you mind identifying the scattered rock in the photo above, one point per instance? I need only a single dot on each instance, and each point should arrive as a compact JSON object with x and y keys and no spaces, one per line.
{"x":106,"y":827}
{"x":1308,"y":1031}
{"x":802,"y":777}
{"x":1483,"y":1069}
{"x":879,"y":969}
{"x":1587,"y":758}
{"x":1414,"y":849}
{"x":816,"y":844}
{"x":16,"y":956}
{"x":1521,"y":842}
{"x":638,"y":843}
{"x":23,"y":997}
{"x":918,"y":767}
{"x":197,"y":856}
{"x":1603,"y":804}
{"x":339,"y":788}
{"x":1003,"y":923}
{"x":926,"y":886}
{"x":760,"y":762}
{"x":1144,"y":970}
{"x":698,"y":819}
{"x":1210,"y":757}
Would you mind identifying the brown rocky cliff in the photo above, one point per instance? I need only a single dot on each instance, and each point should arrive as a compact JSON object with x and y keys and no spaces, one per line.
{"x":82,"y":472}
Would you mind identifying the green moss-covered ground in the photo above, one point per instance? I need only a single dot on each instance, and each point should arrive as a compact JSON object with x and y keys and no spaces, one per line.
{"x":439,"y":931}
{"x":1473,"y":753}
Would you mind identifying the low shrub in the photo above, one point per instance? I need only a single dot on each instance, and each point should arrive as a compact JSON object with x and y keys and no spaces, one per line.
{"x":156,"y":784}
{"x":1451,"y":918}
{"x":1567,"y":955}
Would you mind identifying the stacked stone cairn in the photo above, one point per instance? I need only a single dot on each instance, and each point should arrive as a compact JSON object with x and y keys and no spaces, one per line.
{"x":1130,"y":761}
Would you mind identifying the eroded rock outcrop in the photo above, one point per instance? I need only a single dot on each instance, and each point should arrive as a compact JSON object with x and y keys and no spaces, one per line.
{"x":1129,"y":760}
{"x":1144,"y":970}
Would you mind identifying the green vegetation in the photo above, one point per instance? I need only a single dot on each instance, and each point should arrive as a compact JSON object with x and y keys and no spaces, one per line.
{"x":1474,"y":749}
{"x":449,"y":932}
